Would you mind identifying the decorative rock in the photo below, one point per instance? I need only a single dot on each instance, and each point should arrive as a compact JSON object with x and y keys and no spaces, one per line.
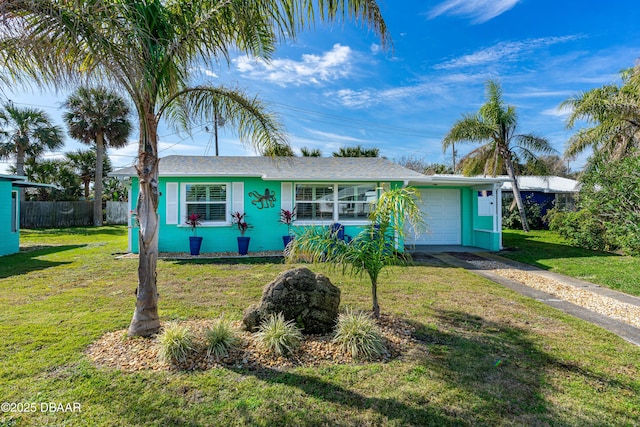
{"x":307,"y":298}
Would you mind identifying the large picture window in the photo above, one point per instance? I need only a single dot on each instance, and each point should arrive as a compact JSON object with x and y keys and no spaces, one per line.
{"x":334,"y":202}
{"x":354,"y":201}
{"x":315,"y":202}
{"x":208,"y":200}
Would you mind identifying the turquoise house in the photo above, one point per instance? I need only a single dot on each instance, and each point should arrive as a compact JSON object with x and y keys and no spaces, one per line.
{"x":10,"y":211}
{"x":323,"y":190}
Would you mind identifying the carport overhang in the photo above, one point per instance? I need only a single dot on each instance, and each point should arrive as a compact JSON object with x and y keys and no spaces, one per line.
{"x":456,"y":180}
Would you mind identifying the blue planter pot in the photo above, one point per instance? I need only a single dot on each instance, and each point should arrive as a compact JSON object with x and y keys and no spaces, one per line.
{"x":243,"y":245}
{"x":195,"y":242}
{"x":286,"y":240}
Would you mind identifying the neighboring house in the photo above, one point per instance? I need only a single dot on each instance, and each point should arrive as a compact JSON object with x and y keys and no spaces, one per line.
{"x":323,"y":190}
{"x":546,"y":191}
{"x":10,"y":211}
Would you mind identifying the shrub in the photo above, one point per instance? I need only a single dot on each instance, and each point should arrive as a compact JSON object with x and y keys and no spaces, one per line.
{"x":176,"y":343}
{"x":532,"y":209}
{"x":277,"y":335}
{"x":220,"y":338}
{"x":580,"y":228}
{"x":358,"y":334}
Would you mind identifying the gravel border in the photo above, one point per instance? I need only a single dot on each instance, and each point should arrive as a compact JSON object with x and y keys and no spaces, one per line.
{"x":624,"y":312}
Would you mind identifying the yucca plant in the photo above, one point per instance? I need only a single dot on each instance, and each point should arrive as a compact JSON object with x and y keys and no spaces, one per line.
{"x":277,"y":335}
{"x":358,"y":335}
{"x":220,"y":338}
{"x":176,"y":342}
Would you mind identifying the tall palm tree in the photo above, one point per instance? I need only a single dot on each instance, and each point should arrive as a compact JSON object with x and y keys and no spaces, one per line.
{"x":613,"y":113}
{"x":150,"y":49}
{"x":83,"y":162}
{"x":26,"y":133}
{"x":101,"y":117}
{"x":494,"y":126}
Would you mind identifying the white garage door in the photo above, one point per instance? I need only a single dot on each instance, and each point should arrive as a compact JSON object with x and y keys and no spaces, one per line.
{"x":441,"y":213}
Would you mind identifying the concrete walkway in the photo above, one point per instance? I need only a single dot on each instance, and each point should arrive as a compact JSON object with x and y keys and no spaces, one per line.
{"x":624,"y":330}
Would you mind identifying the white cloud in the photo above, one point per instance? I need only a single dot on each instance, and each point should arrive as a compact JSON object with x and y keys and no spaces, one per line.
{"x":210,"y":73}
{"x":311,"y":69}
{"x":503,"y":51}
{"x":329,"y":136}
{"x":559,"y":112}
{"x":478,"y":10}
{"x":375,"y":48}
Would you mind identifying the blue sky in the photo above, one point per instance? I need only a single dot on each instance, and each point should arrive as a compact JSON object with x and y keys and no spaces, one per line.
{"x":334,"y":86}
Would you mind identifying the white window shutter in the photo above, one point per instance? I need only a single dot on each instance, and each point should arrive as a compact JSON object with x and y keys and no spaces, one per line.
{"x":286,"y":196}
{"x":171,"y":194}
{"x":237,"y":197}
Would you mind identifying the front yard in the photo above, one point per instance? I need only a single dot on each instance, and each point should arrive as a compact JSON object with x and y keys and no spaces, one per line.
{"x":487,"y":355}
{"x":547,"y":250}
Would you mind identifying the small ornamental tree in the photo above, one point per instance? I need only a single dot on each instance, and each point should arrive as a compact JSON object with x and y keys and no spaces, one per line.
{"x":373,"y":248}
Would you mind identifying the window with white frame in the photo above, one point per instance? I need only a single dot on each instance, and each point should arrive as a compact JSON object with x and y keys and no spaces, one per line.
{"x":314,"y":202}
{"x":334,"y":202}
{"x":210,"y":201}
{"x":354,"y":201}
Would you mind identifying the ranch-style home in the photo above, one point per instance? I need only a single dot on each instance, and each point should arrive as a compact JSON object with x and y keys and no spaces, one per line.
{"x":458,"y":211}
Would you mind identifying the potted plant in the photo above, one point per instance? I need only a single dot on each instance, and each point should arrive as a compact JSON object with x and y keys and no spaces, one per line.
{"x":287,"y":217}
{"x":243,"y":241}
{"x":195,"y":241}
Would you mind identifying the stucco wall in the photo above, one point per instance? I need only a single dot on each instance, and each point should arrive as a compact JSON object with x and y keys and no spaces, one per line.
{"x":9,"y":240}
{"x":266,"y":230}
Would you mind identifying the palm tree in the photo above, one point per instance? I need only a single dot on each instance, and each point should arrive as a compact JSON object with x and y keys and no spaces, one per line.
{"x":84,"y":163}
{"x":98,"y":116}
{"x":150,"y":49}
{"x":357,"y":151}
{"x":310,"y":152}
{"x":372,"y":249}
{"x":26,"y":133}
{"x":614,"y":115}
{"x":280,"y":150}
{"x":494,"y":126}
{"x":52,"y":171}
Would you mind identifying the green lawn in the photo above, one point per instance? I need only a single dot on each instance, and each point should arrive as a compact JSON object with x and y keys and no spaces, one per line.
{"x":490,"y":356}
{"x":548,"y":250}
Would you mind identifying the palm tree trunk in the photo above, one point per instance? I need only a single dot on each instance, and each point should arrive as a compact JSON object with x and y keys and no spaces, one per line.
{"x":97,"y":185}
{"x":145,"y":320}
{"x":374,"y":297}
{"x":516,"y":193}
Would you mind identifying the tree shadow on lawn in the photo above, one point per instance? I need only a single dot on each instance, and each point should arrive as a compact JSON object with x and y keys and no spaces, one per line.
{"x":27,"y":261}
{"x":494,"y":375}
{"x":505,"y":372}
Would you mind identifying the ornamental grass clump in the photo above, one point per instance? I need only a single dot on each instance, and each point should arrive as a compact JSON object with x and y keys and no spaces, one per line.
{"x":277,"y":335}
{"x":358,"y":335}
{"x":221,"y":337}
{"x":176,"y":343}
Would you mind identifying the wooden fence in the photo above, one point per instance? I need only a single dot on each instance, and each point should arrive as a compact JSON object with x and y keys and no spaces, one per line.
{"x":68,"y":214}
{"x":55,"y":214}
{"x":117,"y":213}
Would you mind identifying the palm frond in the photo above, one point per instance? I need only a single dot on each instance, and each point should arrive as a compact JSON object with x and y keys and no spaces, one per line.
{"x":249,"y":116}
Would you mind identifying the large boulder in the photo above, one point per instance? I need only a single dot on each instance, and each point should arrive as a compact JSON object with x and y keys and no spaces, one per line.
{"x":301,"y":295}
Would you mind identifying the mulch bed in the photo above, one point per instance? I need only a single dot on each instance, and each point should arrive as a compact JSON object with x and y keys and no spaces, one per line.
{"x":116,"y":350}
